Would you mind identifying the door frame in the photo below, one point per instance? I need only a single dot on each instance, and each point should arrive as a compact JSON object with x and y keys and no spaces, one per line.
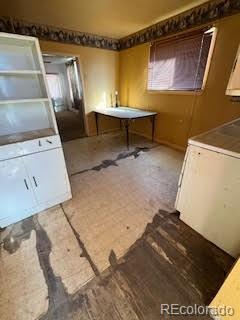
{"x":80,"y":74}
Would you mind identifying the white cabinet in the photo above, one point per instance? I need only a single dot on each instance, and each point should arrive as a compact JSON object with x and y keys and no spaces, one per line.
{"x":16,"y":193}
{"x":48,"y":174}
{"x":32,"y":183}
{"x":233,"y":88}
{"x":208,"y":197}
{"x":33,"y":175}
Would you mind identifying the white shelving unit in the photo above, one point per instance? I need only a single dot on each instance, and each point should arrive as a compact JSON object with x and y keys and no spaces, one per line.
{"x":28,"y":130}
{"x":21,"y":72}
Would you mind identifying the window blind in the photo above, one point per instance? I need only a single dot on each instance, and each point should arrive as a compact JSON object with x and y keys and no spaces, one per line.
{"x":179,"y":64}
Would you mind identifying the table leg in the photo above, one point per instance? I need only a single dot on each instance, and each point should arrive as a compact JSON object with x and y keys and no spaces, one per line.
{"x":127,"y":132}
{"x":153,"y":127}
{"x":96,"y":119}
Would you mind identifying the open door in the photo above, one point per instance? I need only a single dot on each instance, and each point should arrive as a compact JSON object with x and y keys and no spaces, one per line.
{"x":67,"y":95}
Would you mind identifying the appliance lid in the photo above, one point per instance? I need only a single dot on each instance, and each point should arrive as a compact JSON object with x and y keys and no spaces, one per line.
{"x":224,"y":139}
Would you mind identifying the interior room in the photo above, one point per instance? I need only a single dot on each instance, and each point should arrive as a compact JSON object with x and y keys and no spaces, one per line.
{"x":63,"y":79}
{"x":119,"y":160}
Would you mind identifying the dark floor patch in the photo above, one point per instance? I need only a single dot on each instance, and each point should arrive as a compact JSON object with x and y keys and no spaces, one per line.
{"x":20,"y":231}
{"x":170,"y":263}
{"x":113,"y":259}
{"x":105,"y":164}
{"x":108,"y":163}
{"x":59,"y":303}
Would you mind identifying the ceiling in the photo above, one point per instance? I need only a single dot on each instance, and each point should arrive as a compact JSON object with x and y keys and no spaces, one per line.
{"x":111,"y":18}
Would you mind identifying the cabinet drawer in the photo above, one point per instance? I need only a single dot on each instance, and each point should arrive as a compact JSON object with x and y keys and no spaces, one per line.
{"x":10,"y":151}
{"x":41,"y":144}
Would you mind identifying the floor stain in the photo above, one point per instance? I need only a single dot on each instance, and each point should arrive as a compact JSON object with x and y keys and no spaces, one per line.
{"x":59,"y":303}
{"x":108,"y":162}
{"x":19,"y":232}
{"x":113,"y":259}
{"x":57,"y":293}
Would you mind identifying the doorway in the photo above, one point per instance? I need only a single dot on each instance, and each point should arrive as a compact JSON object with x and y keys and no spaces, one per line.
{"x":66,"y":91}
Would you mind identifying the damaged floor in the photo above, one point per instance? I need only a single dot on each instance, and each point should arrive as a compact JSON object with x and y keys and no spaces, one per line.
{"x":115,"y":251}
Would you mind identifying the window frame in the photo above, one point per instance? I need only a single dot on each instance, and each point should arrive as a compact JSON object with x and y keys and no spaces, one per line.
{"x":206,"y":71}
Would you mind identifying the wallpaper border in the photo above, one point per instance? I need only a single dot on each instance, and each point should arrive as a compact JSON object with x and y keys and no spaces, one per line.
{"x":46,"y":32}
{"x":197,"y":16}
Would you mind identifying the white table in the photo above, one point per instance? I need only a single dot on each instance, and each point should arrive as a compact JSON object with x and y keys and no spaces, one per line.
{"x":126,"y":115}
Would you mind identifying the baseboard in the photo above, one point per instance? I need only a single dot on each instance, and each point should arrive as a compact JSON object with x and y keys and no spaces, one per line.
{"x":92,"y":134}
{"x":164,"y":142}
{"x":109,"y":130}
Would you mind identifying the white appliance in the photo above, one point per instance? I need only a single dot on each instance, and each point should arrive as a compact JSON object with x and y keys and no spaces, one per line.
{"x":233,"y":88}
{"x":33,"y":175}
{"x":208,"y":196}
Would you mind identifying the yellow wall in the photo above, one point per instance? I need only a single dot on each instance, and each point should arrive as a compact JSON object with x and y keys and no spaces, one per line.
{"x":181,"y":116}
{"x":229,"y":294}
{"x":99,"y":69}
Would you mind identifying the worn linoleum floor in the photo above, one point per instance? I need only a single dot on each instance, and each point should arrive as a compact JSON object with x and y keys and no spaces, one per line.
{"x":115,"y":251}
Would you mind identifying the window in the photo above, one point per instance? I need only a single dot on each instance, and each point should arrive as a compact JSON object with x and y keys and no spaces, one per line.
{"x":180,"y":63}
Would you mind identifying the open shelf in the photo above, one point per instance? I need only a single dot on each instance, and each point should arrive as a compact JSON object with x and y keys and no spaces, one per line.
{"x":24,"y":117}
{"x":22,"y":86}
{"x":25,"y":109}
{"x":20,"y":72}
{"x":23,"y":100}
{"x":18,"y":54}
{"x":24,"y":136}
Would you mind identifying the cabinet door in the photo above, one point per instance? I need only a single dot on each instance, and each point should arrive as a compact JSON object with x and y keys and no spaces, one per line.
{"x":48,"y":174}
{"x":16,"y":194}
